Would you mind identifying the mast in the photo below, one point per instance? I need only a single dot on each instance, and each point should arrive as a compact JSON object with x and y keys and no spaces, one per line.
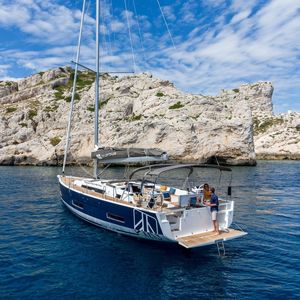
{"x":68,"y":138}
{"x":97,"y":90}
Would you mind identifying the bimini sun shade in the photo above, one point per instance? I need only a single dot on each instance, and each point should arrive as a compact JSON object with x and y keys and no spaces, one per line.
{"x":128,"y":155}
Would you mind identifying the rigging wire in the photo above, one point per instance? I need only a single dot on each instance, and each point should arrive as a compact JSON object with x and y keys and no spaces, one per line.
{"x":88,"y":7}
{"x":107,"y":27}
{"x":112,"y":17}
{"x":102,"y":16}
{"x":78,"y":163}
{"x":68,"y":137}
{"x":139,"y":28}
{"x":130,"y":38}
{"x":162,"y":13}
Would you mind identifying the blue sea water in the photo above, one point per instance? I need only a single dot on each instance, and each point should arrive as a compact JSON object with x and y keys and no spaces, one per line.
{"x":47,"y":253}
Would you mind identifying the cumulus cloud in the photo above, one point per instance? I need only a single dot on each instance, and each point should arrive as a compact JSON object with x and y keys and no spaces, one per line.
{"x":257,"y":43}
{"x":219,"y":44}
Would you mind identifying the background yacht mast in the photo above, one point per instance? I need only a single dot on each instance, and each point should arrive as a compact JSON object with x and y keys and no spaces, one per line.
{"x":97,"y":89}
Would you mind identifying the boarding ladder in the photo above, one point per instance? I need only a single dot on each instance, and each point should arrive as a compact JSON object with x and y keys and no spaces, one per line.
{"x":220,"y":247}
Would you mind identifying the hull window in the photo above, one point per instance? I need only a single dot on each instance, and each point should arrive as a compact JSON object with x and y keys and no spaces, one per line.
{"x":77,"y":204}
{"x":115,"y":217}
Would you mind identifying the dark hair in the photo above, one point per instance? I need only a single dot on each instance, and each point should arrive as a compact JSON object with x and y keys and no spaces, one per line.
{"x":205,"y":184}
{"x":212,"y":189}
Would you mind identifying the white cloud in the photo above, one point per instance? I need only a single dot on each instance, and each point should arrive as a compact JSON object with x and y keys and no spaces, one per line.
{"x":240,"y":16}
{"x":13,"y":15}
{"x":3,"y":70}
{"x":116,"y":26}
{"x":239,"y":6}
{"x":48,"y":22}
{"x":251,"y":47}
{"x":169,"y":13}
{"x":213,"y":3}
{"x":243,"y":41}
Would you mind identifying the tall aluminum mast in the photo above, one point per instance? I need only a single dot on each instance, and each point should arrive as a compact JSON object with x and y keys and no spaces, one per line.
{"x":97,"y":90}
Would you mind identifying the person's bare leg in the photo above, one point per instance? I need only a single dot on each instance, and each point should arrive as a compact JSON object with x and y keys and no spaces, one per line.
{"x":217,"y":227}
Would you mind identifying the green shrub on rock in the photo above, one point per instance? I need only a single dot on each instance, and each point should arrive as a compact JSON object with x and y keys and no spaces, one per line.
{"x":263,"y":126}
{"x":55,"y":141}
{"x":32,"y":113}
{"x":134,"y":117}
{"x":91,"y":108}
{"x":10,"y":109}
{"x":51,"y":108}
{"x":176,"y":105}
{"x":69,"y":98}
{"x":59,"y":94}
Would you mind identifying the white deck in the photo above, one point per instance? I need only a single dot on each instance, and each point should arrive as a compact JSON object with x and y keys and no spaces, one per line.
{"x":209,"y":238}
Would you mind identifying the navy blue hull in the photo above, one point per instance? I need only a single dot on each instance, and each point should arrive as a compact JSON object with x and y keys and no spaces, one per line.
{"x":113,"y":213}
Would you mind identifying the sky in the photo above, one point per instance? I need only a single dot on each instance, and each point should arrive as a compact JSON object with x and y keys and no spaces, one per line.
{"x":203,"y":46}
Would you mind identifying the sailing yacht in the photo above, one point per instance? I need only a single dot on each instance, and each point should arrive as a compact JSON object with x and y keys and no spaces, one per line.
{"x":141,"y":205}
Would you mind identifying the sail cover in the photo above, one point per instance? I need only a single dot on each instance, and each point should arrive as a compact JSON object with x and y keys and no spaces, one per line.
{"x":127,"y":155}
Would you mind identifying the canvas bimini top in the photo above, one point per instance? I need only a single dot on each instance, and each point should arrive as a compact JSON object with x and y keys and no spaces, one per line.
{"x":159,"y":171}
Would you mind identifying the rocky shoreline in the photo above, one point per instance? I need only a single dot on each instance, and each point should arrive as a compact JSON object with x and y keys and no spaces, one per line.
{"x":236,"y":127}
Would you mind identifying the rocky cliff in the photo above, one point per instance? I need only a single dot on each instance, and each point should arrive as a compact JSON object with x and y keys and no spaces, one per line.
{"x":277,"y":136}
{"x":135,"y":111}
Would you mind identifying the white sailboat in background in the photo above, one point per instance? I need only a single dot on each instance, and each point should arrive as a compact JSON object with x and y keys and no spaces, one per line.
{"x":142,"y":207}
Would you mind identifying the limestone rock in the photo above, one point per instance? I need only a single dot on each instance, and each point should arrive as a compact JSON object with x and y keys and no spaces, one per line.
{"x":7,"y":88}
{"x":258,"y":96}
{"x":278,"y":137}
{"x":135,"y":111}
{"x":29,"y":82}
